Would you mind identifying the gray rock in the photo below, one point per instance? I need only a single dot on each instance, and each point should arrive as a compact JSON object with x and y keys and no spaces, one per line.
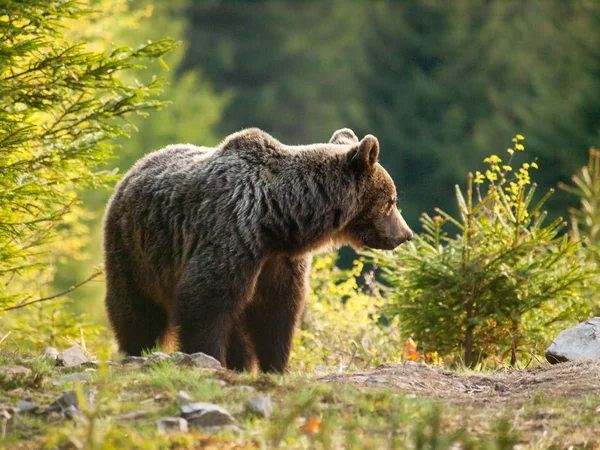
{"x":180,"y":358}
{"x":72,"y":357}
{"x":183,"y":398}
{"x":201,"y":415}
{"x":64,"y":401}
{"x":50,"y":353}
{"x":157,"y":358}
{"x":260,"y":406}
{"x":376,"y":380}
{"x":204,"y":361}
{"x":25,"y":406}
{"x":14,"y":372}
{"x":580,"y":342}
{"x":169,"y":424}
{"x":72,"y":377}
{"x":71,"y":412}
{"x":68,"y":399}
{"x":133,"y":360}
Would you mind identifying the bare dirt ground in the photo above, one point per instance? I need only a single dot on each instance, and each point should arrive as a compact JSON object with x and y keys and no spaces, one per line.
{"x":505,"y":388}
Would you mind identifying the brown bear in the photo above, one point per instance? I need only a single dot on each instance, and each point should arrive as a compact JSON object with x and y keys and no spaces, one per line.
{"x":214,"y":244}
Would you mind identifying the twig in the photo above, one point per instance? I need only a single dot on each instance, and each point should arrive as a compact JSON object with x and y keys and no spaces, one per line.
{"x":530,"y":360}
{"x":71,"y":289}
{"x":4,"y":337}
{"x":351,"y":359}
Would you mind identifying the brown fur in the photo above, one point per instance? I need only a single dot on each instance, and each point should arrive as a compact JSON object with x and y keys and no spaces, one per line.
{"x":215,"y":243}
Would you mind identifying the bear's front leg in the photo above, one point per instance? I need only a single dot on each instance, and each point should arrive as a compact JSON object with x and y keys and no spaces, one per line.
{"x":273,"y":312}
{"x":209,"y":297}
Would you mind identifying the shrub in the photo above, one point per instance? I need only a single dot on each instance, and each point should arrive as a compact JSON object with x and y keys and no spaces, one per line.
{"x":586,"y":218}
{"x":501,"y":284}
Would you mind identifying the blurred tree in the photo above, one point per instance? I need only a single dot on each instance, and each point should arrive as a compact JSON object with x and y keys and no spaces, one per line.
{"x":292,"y":67}
{"x":63,"y":105}
{"x":437,"y":82}
{"x":448,"y":79}
{"x":191,"y":116}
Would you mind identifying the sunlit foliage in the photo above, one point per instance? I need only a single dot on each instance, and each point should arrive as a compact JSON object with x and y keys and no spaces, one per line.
{"x":497,"y":288}
{"x":63,"y":105}
{"x":343,"y":325}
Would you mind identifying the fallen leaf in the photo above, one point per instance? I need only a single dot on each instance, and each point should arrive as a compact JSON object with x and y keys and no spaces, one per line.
{"x":311,"y":426}
{"x":410,"y":350}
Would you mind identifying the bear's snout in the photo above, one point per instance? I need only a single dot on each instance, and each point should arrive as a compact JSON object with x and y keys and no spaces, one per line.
{"x":398,"y":230}
{"x":399,"y":240}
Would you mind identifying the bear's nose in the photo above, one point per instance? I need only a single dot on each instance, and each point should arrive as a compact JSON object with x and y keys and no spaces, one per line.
{"x":410,"y":236}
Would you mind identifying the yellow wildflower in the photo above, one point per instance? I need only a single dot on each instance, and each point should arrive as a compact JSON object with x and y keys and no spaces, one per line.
{"x":520,"y":147}
{"x":519,"y":137}
{"x":493,"y":159}
{"x":510,"y":151}
{"x":534,"y":165}
{"x":506,"y":168}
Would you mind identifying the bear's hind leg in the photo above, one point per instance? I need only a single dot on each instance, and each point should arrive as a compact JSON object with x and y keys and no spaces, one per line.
{"x":240,"y":353}
{"x":209,"y":298}
{"x":277,"y":303}
{"x":138,"y":322}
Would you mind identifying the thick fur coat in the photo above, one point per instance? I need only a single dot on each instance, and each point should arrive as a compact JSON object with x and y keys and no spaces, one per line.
{"x":212,"y":246}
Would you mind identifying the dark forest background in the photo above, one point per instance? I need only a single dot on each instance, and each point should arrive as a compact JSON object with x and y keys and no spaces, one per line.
{"x":441,"y":84}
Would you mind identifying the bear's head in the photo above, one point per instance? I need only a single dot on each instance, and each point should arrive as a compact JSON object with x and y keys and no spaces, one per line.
{"x":378,"y":223}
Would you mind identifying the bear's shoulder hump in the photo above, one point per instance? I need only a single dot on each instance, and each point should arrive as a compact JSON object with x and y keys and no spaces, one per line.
{"x":250,"y":140}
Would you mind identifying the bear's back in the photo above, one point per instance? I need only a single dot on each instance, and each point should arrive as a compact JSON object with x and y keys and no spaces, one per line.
{"x":161,"y":169}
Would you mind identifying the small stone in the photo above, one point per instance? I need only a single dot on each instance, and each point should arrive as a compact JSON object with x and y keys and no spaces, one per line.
{"x":14,"y":372}
{"x":25,"y":406}
{"x":66,"y":400}
{"x":204,"y":361}
{"x":200,"y":415}
{"x":72,"y":357}
{"x":133,"y":360}
{"x":71,"y":378}
{"x":170,"y":424}
{"x":50,"y":353}
{"x":71,"y":412}
{"x":260,"y":406}
{"x":579,"y":342}
{"x":500,"y":387}
{"x":183,"y":398}
{"x":376,"y":380}
{"x":180,"y":357}
{"x":157,"y":358}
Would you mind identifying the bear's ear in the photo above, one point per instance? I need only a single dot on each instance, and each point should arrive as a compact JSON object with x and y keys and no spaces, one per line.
{"x":344,"y":136}
{"x":364,"y":155}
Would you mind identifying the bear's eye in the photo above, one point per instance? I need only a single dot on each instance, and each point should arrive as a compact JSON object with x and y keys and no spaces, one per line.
{"x":390,"y":204}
